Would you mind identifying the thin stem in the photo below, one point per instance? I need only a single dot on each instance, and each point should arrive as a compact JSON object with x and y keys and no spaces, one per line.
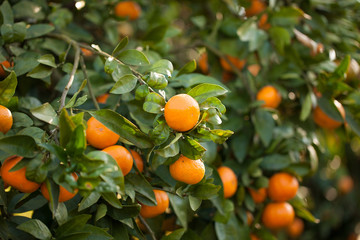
{"x":83,"y":68}
{"x":142,"y":220}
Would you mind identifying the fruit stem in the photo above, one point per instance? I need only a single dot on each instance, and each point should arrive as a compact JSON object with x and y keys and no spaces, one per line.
{"x":83,"y":68}
{"x":142,"y":220}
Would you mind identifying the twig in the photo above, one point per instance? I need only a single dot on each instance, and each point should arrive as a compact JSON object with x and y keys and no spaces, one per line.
{"x":83,"y":68}
{"x":234,"y":68}
{"x":142,"y":220}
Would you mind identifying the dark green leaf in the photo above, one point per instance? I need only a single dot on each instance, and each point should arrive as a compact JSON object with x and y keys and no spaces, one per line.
{"x":7,"y":88}
{"x":7,"y":13}
{"x":48,"y":60}
{"x":275,"y":162}
{"x":72,"y":225}
{"x":112,"y":199}
{"x":264,"y":125}
{"x":20,"y":145}
{"x":120,"y":46}
{"x":330,"y":109}
{"x":46,"y":113}
{"x":190,"y":148}
{"x":188,"y":68}
{"x":124,"y":85}
{"x":206,"y":90}
{"x":88,"y":201}
{"x":40,"y":72}
{"x":306,"y":107}
{"x":154,"y":103}
{"x":38,"y":30}
{"x":36,"y":228}
{"x":204,"y":190}
{"x":133,"y":57}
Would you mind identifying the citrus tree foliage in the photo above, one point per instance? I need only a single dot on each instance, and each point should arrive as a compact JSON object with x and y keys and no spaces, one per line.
{"x":66,"y":54}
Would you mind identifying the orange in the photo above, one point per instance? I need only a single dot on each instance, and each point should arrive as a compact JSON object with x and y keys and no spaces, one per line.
{"x":99,"y":136}
{"x":258,"y":195}
{"x":254,"y":69}
{"x":263,"y":24}
{"x":17,"y":179}
{"x":102,"y":98}
{"x":257,"y":6}
{"x":270,"y":95}
{"x":162,"y":200}
{"x":229,"y":180}
{"x":254,"y":237}
{"x":238,"y":63}
{"x":227,"y":76}
{"x":138,"y":160}
{"x":249,"y":218}
{"x":122,"y":156}
{"x":182,"y":112}
{"x":203,"y":63}
{"x":295,"y":228}
{"x":6,"y":64}
{"x":6,"y":119}
{"x":86,"y":52}
{"x":345,"y":184}
{"x":278,"y":215}
{"x":282,"y":187}
{"x":64,"y":195}
{"x":324,"y":121}
{"x":187,"y":170}
{"x":128,"y":9}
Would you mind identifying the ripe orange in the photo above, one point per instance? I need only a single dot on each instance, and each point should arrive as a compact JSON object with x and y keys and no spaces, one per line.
{"x":295,"y":228}
{"x":227,"y":76}
{"x":345,"y":184}
{"x":257,"y":6}
{"x":162,"y":200}
{"x":254,"y":237}
{"x":17,"y":179}
{"x":270,"y":95}
{"x":138,"y":160}
{"x":263,"y":24}
{"x":182,"y":112}
{"x":102,"y":98}
{"x":324,"y":121}
{"x":64,"y":195}
{"x":278,"y":215}
{"x":6,"y":119}
{"x":99,"y":136}
{"x":229,"y":180}
{"x":258,"y":195}
{"x":6,"y":64}
{"x":86,"y":52}
{"x":254,"y":69}
{"x":122,"y":156}
{"x":187,"y":170}
{"x":249,"y":218}
{"x":282,"y":187}
{"x":128,"y":9}
{"x":238,"y":63}
{"x":203,"y":63}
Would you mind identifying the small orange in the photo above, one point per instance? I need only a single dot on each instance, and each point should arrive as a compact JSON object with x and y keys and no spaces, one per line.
{"x":254,"y":237}
{"x":17,"y":179}
{"x":138,"y":160}
{"x":99,"y":136}
{"x":229,"y":180}
{"x":257,"y":6}
{"x":258,"y":195}
{"x":203,"y":63}
{"x":249,"y":218}
{"x":282,"y":187}
{"x":122,"y":156}
{"x":278,"y":215}
{"x":270,"y":95}
{"x":6,"y":119}
{"x":263,"y":24}
{"x":64,"y":195}
{"x":187,"y":171}
{"x":6,"y":64}
{"x":254,"y":69}
{"x":86,"y":52}
{"x":345,"y":184}
{"x":227,"y":76}
{"x":128,"y":9}
{"x":102,"y":98}
{"x":324,"y":121}
{"x":295,"y":228}
{"x":162,"y":200}
{"x":182,"y":112}
{"x":238,"y":63}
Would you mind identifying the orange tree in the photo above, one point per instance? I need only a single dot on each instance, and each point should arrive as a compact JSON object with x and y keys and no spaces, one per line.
{"x":101,"y":137}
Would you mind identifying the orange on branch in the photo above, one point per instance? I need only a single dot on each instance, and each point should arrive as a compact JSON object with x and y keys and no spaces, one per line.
{"x":296,"y":228}
{"x":238,"y":63}
{"x":64,"y":195}
{"x":6,"y":64}
{"x":122,"y":156}
{"x":282,"y":187}
{"x":128,"y":9}
{"x":270,"y":95}
{"x":257,"y":6}
{"x":258,"y":195}
{"x":203,"y":63}
{"x":86,"y":52}
{"x":6,"y":119}
{"x":229,"y":180}
{"x":102,"y":98}
{"x":138,"y":160}
{"x":99,"y":136}
{"x":187,"y":171}
{"x":162,"y":200}
{"x":278,"y":215}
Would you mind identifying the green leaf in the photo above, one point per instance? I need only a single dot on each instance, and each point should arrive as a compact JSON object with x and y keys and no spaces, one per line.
{"x":46,"y":113}
{"x":112,"y":199}
{"x":73,"y":102}
{"x":127,"y":211}
{"x":66,"y":126}
{"x":123,"y":127}
{"x":301,"y":211}
{"x":181,"y":208}
{"x":162,"y":66}
{"x":20,"y":145}
{"x":157,"y":80}
{"x":160,"y":133}
{"x":77,"y":142}
{"x":306,"y":107}
{"x":38,"y":30}
{"x":21,"y":120}
{"x":287,"y":17}
{"x":157,"y":33}
{"x":264,"y":125}
{"x":7,"y":13}
{"x":280,"y":37}
{"x":190,"y":148}
{"x":204,"y":190}
{"x":61,"y":214}
{"x":206,"y":90}
{"x":36,"y":170}
{"x":195,"y":203}
{"x":141,"y":92}
{"x":122,"y":44}
{"x":72,"y":225}
{"x":232,"y":230}
{"x":330,"y":109}
{"x":175,"y":235}
{"x":13,"y":33}
{"x":36,"y":228}
{"x":124,"y":85}
{"x":133,"y":57}
{"x":188,"y":68}
{"x":48,"y":60}
{"x":88,"y":201}
{"x":142,"y":186}
{"x":219,"y":136}
{"x":213,"y":102}
{"x":40,"y":72}
{"x":275,"y":162}
{"x":154,"y":103}
{"x":29,"y":10}
{"x":355,"y":126}
{"x":7,"y":88}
